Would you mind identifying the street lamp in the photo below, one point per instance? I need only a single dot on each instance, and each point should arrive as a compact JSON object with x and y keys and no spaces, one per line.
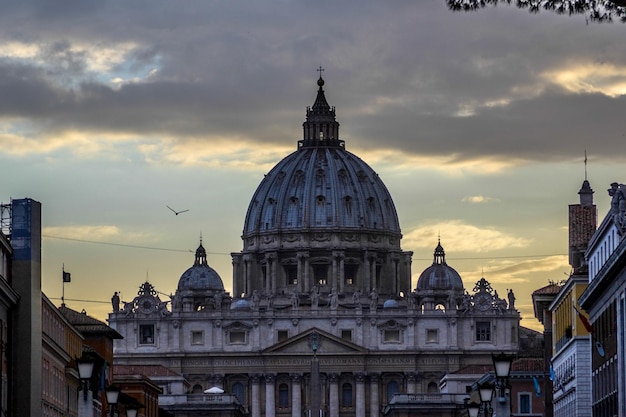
{"x":485,"y":390}
{"x":473,"y":409}
{"x":85,"y":370}
{"x":502,"y":366}
{"x":112,"y":393}
{"x":131,"y":411}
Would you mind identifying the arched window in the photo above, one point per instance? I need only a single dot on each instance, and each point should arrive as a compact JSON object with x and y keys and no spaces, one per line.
{"x":283,"y":396}
{"x":239,"y":391}
{"x":433,"y":388}
{"x":392,"y":388}
{"x":346,"y":395}
{"x":197,"y":389}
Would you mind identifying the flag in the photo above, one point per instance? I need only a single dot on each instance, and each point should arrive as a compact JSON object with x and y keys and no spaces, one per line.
{"x":537,"y":387}
{"x":552,"y":376}
{"x":67,"y":277}
{"x":584,"y":320}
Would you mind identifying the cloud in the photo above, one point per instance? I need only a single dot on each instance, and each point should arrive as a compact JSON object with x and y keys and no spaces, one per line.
{"x":465,"y":99}
{"x":478,"y":199}
{"x":457,"y":236}
{"x":100,"y":233}
{"x":516,"y":271}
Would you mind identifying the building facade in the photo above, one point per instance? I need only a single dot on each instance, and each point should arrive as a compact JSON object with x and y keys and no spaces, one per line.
{"x":323,"y":316}
{"x":61,"y":345}
{"x":571,"y":351}
{"x":605,"y":301}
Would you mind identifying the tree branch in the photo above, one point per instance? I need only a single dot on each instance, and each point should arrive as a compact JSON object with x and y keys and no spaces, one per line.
{"x":595,"y":10}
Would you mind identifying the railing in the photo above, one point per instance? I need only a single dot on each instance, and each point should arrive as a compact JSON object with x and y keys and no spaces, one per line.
{"x":212,"y":399}
{"x":423,"y":398}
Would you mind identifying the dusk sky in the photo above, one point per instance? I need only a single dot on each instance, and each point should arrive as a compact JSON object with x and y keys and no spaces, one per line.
{"x":477,"y":123}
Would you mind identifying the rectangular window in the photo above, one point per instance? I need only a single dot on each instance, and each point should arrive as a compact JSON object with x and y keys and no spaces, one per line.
{"x":237,"y":338}
{"x":283,"y":335}
{"x":197,"y":338}
{"x":350,"y":271}
{"x":291,"y":271}
{"x":483,"y":331}
{"x":432,"y":336}
{"x":346,"y":334}
{"x":146,"y":334}
{"x":392,"y":336}
{"x":524,"y":403}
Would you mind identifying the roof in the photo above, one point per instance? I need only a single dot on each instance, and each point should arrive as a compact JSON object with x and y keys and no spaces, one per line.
{"x":87,"y":324}
{"x":550,"y":289}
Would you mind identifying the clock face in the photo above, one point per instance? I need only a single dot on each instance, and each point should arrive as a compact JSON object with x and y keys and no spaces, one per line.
{"x":146,"y":304}
{"x":482,"y":301}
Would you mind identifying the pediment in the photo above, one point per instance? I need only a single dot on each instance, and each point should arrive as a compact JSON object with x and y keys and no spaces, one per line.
{"x":327,"y":344}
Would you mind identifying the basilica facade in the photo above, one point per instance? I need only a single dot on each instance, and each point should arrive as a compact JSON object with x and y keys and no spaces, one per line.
{"x":322,"y":319}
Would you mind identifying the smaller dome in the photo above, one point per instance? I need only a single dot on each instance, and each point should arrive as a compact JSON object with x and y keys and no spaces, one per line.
{"x":200,"y":277}
{"x":391,"y":303}
{"x":439,"y":276}
{"x":240,"y":304}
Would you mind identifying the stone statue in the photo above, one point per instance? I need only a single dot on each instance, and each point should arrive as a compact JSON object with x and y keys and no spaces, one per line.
{"x":466,"y":303}
{"x":295,"y":300}
{"x":255,"y":299}
{"x":270,"y":300}
{"x":618,"y":206}
{"x":177,"y":302}
{"x":315,"y":297}
{"x":373,"y":299}
{"x":334,"y":299}
{"x":115,"y":301}
{"x":511,"y":297}
{"x":128,"y":308}
{"x":356,"y":298}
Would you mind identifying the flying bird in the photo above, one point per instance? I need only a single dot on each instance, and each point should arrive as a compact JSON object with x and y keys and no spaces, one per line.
{"x":176,"y":212}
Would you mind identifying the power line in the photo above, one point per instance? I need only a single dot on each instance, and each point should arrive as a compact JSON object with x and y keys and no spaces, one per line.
{"x":469,"y":258}
{"x":128,"y":246}
{"x":82,"y":301}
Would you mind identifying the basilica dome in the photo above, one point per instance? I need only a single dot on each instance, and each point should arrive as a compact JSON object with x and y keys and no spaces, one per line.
{"x":321,"y":220}
{"x":439,"y":276}
{"x":200,"y":277}
{"x":321,"y":185}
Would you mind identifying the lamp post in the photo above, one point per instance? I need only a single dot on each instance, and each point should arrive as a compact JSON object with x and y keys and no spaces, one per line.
{"x":112,"y":394}
{"x":85,"y":370}
{"x":86,"y":367}
{"x":485,"y":391}
{"x":131,"y":411}
{"x":473,"y":409}
{"x":502,"y":366}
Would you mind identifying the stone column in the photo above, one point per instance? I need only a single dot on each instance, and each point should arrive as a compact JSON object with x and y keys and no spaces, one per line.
{"x":268,"y":275}
{"x":373,"y":271}
{"x":335,"y":271}
{"x":236,"y":272}
{"x":411,"y":380}
{"x":360,"y":395}
{"x":342,"y":272}
{"x":256,"y":396}
{"x":367,"y":279}
{"x":333,"y":394}
{"x":270,"y":397}
{"x":272,"y":261}
{"x":374,"y":400}
{"x":307,"y":268}
{"x":296,"y":395}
